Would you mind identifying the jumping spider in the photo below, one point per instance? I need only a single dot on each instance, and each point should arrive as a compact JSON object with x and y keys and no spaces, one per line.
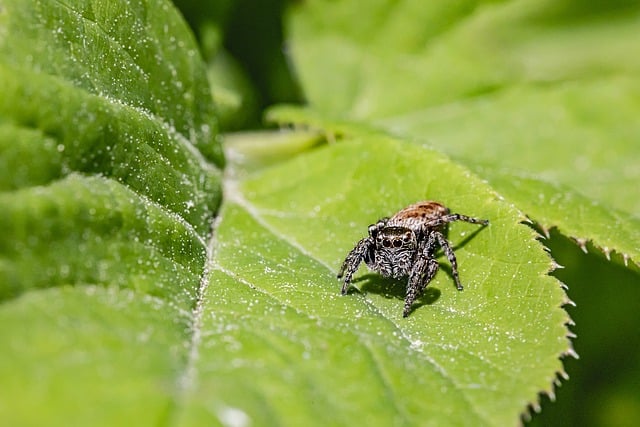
{"x":405,"y":245}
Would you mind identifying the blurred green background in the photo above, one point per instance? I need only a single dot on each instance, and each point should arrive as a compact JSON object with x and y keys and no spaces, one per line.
{"x":604,"y":384}
{"x":245,"y":43}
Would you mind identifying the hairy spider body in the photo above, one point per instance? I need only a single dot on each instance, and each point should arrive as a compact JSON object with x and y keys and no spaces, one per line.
{"x":405,"y":245}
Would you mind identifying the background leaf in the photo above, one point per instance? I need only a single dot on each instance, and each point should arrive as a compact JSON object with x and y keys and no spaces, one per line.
{"x":535,"y":90}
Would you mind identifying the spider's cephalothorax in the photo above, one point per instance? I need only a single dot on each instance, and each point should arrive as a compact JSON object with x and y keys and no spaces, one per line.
{"x":405,"y":245}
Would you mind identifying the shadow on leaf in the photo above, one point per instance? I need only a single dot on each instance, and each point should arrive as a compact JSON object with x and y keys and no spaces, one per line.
{"x":467,"y":238}
{"x":392,"y":288}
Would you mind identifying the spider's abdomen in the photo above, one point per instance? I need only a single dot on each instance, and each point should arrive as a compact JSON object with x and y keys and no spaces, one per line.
{"x":413,"y":216}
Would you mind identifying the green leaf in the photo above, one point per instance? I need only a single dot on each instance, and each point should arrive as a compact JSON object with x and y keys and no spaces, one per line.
{"x":555,"y":205}
{"x":115,"y":95}
{"x":90,"y":355}
{"x":235,"y":98}
{"x":98,"y":89}
{"x":116,"y":307}
{"x":279,"y":345}
{"x":251,"y":151}
{"x":544,"y":93}
{"x":109,"y":181}
{"x":83,"y":230}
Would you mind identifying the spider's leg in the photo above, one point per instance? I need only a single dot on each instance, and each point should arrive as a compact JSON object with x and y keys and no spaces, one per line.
{"x":455,"y":217}
{"x":353,"y":260}
{"x":448,"y":250}
{"x":472,"y":220}
{"x":421,"y":274}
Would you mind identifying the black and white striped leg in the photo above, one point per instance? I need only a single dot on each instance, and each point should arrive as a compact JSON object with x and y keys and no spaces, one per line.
{"x":448,"y":251}
{"x":353,"y":260}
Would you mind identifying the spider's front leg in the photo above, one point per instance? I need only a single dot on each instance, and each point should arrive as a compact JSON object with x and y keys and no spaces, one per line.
{"x":421,"y":274}
{"x":363,"y":250}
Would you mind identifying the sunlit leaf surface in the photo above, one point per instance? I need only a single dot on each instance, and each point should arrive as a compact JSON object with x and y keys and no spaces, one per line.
{"x":280,"y":345}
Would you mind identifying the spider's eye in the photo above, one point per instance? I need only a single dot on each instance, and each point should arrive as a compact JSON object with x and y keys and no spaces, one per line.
{"x":386,"y":243}
{"x":397,"y":243}
{"x":406,"y":238}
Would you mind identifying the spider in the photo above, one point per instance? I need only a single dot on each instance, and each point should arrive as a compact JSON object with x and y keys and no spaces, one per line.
{"x":405,"y":245}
